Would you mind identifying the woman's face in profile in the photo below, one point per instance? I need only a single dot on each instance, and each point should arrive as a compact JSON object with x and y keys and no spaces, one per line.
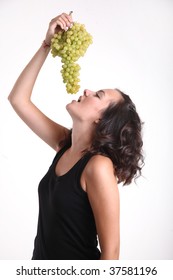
{"x":91,"y":104}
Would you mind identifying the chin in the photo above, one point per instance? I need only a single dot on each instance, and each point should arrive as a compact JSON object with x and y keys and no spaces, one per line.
{"x":67,"y":106}
{"x":69,"y":109}
{"x":70,"y":105}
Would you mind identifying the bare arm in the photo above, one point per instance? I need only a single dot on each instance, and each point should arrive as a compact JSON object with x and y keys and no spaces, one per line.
{"x":103,"y":195}
{"x":20,"y":96}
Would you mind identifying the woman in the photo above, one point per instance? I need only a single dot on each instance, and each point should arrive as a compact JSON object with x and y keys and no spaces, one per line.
{"x":78,"y":197}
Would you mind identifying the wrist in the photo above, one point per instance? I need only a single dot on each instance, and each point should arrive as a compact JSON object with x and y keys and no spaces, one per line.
{"x":46,"y":45}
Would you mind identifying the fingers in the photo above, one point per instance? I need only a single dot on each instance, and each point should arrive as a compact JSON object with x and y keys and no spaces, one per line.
{"x":64,"y":21}
{"x":61,"y":22}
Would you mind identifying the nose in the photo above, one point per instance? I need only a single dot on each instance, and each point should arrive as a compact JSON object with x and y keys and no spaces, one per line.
{"x":87,"y":92}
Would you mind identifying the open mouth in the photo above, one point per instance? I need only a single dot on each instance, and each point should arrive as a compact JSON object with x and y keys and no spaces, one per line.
{"x":79,"y":100}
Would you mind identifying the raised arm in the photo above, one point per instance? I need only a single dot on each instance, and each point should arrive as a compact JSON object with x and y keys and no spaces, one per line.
{"x":20,"y":96}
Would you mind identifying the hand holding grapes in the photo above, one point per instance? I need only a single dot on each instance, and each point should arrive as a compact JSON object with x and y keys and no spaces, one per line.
{"x":59,"y":23}
{"x":69,"y":43}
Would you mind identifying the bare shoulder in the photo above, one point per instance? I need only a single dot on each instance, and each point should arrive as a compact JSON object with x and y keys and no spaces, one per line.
{"x":99,"y":173}
{"x":98,"y":164}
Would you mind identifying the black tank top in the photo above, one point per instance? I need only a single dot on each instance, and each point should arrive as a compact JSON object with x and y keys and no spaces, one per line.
{"x":66,"y":226}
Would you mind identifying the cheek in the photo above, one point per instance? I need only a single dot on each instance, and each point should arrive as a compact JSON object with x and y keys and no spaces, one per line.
{"x":93,"y":110}
{"x":91,"y":106}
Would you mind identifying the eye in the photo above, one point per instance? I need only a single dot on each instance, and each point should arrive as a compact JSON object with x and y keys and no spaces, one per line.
{"x":97,"y":95}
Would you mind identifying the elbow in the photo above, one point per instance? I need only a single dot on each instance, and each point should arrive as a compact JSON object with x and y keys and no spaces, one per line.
{"x":110,"y":255}
{"x":15,"y":101}
{"x":11,"y":99}
{"x":16,"y":105}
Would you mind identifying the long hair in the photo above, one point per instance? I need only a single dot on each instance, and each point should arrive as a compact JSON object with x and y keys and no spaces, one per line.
{"x":118,"y":136}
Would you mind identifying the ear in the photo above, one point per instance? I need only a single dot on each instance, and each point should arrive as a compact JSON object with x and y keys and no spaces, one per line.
{"x":97,"y":121}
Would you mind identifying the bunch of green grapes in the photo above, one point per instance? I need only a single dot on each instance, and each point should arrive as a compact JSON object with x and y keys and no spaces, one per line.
{"x":70,"y":45}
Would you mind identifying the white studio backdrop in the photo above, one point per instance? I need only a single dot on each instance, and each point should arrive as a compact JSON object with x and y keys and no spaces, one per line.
{"x":131,"y":50}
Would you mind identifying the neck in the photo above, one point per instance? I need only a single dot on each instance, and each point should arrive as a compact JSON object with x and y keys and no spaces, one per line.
{"x":81,"y":137}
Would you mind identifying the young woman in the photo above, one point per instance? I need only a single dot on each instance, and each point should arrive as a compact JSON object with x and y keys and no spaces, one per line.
{"x":78,"y":197}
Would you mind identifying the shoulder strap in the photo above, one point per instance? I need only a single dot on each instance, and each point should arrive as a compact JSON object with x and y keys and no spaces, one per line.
{"x":82,"y":163}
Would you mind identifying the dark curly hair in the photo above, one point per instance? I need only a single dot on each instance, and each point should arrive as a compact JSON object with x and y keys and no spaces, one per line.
{"x":118,"y":136}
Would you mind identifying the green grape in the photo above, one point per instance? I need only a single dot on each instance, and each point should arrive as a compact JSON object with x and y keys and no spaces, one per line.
{"x":70,"y":45}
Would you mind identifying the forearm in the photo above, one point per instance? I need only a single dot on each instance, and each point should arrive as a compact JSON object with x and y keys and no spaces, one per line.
{"x":23,"y":87}
{"x":22,"y":90}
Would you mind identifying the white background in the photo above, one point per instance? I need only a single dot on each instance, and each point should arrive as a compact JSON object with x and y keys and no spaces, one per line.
{"x":132,"y":50}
